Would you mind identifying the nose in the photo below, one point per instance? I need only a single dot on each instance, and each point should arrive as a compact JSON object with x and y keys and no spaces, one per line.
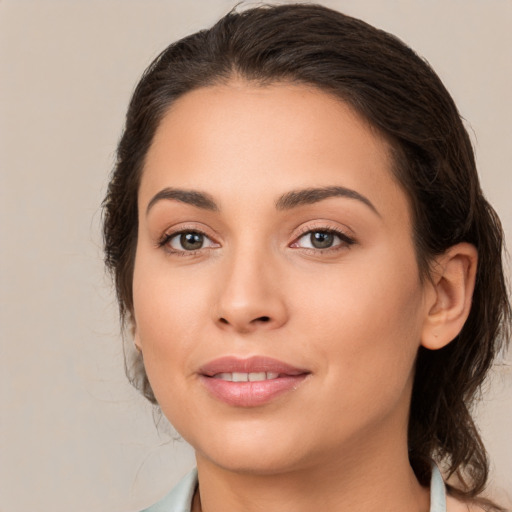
{"x":251,"y":295}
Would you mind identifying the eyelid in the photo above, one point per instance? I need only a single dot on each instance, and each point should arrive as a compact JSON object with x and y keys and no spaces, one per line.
{"x":207,"y":241}
{"x":181,"y":228}
{"x":326,"y":227}
{"x":344,"y":234}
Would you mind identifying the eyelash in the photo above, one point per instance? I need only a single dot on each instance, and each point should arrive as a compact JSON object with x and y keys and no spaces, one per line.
{"x":345,"y":241}
{"x":164,"y":242}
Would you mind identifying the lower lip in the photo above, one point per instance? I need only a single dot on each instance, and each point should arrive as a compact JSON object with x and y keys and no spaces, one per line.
{"x":251,"y":394}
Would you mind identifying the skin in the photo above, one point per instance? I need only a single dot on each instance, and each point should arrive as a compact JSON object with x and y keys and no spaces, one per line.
{"x":353,"y":315}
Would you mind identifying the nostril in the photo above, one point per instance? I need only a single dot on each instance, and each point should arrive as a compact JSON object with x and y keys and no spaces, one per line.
{"x":254,"y":321}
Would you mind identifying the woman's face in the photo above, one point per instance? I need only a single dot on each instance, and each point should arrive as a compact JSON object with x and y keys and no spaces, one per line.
{"x":277,"y":300}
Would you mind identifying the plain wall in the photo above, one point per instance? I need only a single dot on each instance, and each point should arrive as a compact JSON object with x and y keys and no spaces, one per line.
{"x":73,"y":434}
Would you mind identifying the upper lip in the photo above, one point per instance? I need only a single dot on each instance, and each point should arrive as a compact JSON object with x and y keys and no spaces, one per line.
{"x":254,"y":364}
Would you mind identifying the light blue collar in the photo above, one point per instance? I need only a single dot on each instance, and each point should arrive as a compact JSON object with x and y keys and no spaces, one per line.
{"x":180,"y":498}
{"x":437,"y":491}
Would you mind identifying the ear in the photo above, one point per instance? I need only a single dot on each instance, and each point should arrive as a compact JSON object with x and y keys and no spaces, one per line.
{"x":135,"y":335}
{"x":449,"y":299}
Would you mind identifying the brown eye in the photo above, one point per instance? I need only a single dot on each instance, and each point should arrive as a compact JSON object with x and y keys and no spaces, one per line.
{"x":321,"y":239}
{"x":188,"y":241}
{"x":191,"y":241}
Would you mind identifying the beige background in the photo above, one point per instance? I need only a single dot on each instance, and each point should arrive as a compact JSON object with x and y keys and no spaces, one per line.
{"x":73,"y":435}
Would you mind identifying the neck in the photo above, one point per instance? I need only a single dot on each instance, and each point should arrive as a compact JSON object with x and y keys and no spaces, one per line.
{"x":368,"y":479}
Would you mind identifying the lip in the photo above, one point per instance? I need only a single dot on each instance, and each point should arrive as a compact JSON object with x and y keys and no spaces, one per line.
{"x":250,"y":394}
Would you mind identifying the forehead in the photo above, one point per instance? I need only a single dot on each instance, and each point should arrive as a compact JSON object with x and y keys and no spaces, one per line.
{"x":244,"y":137}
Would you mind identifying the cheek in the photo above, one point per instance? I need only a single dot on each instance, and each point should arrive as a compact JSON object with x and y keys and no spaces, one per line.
{"x":167,"y":323}
{"x":166,"y":298}
{"x":171,"y":310}
{"x":369,"y":315}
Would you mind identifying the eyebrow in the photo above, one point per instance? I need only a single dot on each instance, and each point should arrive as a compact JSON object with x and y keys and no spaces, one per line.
{"x":306,"y":196}
{"x":288,"y":201}
{"x":192,"y":197}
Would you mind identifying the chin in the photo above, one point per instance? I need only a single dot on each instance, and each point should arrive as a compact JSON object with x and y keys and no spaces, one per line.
{"x":251,"y":452}
{"x":254,"y":462}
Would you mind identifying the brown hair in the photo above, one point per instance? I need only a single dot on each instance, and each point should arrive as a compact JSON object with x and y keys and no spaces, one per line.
{"x":399,"y":94}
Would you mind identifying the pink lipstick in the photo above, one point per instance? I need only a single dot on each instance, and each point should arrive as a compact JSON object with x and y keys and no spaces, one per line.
{"x":249,"y":382}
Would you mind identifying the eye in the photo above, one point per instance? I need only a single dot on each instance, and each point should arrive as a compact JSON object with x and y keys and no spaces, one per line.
{"x":322,"y":239}
{"x":188,"y":241}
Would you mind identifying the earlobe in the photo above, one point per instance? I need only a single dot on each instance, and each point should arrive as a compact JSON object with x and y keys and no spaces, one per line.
{"x":453,"y":282}
{"x":135,"y":337}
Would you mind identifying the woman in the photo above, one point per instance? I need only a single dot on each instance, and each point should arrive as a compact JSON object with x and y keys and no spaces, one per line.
{"x":310,"y":271}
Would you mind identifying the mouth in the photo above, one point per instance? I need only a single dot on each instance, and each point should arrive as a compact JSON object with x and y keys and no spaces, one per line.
{"x":250,"y":382}
{"x":247,"y":377}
